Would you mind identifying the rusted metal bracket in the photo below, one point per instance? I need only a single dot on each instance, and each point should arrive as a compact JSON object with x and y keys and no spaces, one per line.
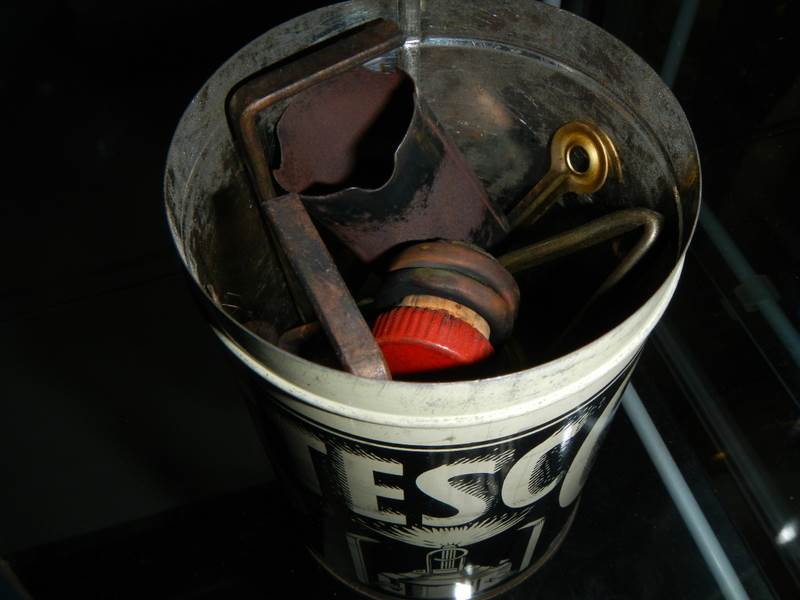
{"x":257,"y":95}
{"x":337,"y":311}
{"x":299,"y":239}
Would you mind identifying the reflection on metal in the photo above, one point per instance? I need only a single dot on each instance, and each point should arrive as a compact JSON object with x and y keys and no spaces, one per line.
{"x":462,"y":591}
{"x":750,"y":474}
{"x":681,"y":494}
{"x":295,"y":337}
{"x":581,"y":158}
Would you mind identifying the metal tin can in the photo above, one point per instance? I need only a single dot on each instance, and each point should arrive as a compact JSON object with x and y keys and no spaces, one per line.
{"x":457,"y":489}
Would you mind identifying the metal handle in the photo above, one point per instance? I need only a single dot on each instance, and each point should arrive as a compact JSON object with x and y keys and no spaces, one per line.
{"x":304,"y":249}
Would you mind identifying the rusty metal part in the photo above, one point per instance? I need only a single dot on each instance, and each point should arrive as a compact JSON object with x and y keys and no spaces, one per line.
{"x":337,"y":311}
{"x":454,"y":286}
{"x":258,"y":94}
{"x":350,"y":50}
{"x":292,"y":339}
{"x":459,"y":272}
{"x":344,"y":132}
{"x":566,"y":173}
{"x":328,"y":132}
{"x":463,"y":258}
{"x":431,"y":190}
{"x":331,"y":300}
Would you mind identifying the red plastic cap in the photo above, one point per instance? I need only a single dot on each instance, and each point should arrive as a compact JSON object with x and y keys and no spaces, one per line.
{"x":419,"y":340}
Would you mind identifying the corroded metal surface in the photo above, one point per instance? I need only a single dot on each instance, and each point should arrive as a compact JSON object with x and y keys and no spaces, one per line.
{"x":337,"y":312}
{"x":327,"y":132}
{"x":458,"y":272}
{"x":261,"y":92}
{"x":311,"y":263}
{"x":430,"y":192}
{"x":499,"y":80}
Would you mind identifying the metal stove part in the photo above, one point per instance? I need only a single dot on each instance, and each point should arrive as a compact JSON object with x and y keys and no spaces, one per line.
{"x":459,"y":272}
{"x":585,"y":236}
{"x":446,"y":300}
{"x":590,"y":234}
{"x":431,"y":191}
{"x":335,"y":307}
{"x":291,"y":225}
{"x":257,"y":94}
{"x":581,"y":158}
{"x":291,"y":77}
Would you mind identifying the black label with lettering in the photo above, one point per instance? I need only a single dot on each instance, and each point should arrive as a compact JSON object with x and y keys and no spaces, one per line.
{"x":436,"y":522}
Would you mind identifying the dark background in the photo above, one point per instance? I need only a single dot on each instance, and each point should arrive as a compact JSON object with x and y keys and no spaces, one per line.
{"x":116,"y":403}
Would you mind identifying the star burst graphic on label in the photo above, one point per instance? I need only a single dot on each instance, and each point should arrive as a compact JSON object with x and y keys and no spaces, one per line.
{"x":462,"y":535}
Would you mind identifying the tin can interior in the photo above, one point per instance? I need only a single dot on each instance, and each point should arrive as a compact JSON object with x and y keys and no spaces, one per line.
{"x":500,"y":100}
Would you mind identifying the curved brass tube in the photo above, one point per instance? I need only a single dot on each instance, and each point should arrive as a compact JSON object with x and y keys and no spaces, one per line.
{"x":595,"y":232}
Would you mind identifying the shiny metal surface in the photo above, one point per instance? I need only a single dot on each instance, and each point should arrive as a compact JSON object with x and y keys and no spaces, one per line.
{"x":565,"y":174}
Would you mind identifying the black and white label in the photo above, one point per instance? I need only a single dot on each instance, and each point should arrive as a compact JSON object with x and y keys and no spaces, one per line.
{"x":437,"y":522}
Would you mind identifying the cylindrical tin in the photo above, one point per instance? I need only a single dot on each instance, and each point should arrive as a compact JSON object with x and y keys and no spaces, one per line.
{"x":458,"y":489}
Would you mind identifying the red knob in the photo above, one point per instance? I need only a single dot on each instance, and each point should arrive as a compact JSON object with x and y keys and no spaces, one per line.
{"x":419,"y":340}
